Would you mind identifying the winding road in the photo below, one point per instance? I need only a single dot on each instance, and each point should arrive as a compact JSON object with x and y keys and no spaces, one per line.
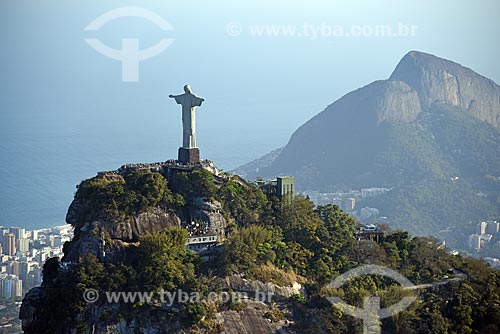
{"x":459,"y":276}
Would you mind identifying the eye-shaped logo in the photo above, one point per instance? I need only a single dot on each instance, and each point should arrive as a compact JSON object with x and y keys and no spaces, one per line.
{"x":371,"y":312}
{"x":130,"y":55}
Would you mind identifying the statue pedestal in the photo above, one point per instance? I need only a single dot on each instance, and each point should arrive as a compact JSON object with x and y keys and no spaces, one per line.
{"x":189,"y":155}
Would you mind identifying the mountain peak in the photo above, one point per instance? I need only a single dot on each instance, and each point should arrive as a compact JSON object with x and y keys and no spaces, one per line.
{"x":414,"y":62}
{"x":442,"y":81}
{"x":423,"y":57}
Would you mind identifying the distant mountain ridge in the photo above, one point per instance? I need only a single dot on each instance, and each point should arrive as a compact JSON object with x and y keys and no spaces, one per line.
{"x":432,"y":121}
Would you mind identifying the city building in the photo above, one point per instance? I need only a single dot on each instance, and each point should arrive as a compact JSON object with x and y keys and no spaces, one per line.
{"x":9,"y":244}
{"x":285,"y":187}
{"x":348,"y":204}
{"x":481,"y":228}
{"x":371,"y":192}
{"x":23,"y":253}
{"x":477,"y":241}
{"x":10,"y":286}
{"x":319,"y":198}
{"x":493,"y":262}
{"x":474,"y":242}
{"x":19,"y":232}
{"x":24,"y":269}
{"x":23,"y":245}
{"x":492,"y":227}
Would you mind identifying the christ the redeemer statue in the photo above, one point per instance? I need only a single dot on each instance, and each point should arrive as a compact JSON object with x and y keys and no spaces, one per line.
{"x":188,"y":152}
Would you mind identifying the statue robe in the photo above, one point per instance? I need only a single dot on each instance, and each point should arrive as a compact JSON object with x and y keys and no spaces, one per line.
{"x":189,"y":103}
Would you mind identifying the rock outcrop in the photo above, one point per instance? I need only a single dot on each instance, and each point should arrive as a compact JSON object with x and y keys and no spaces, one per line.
{"x":113,"y":237}
{"x":31,"y":303}
{"x":397,"y":102}
{"x":110,"y":240}
{"x":238,"y":283}
{"x":251,"y":320}
{"x":442,"y":81}
{"x":210,"y":212}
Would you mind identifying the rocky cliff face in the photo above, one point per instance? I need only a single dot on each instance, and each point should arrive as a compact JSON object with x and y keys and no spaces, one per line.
{"x":238,"y":283}
{"x":112,"y":239}
{"x":397,"y":102}
{"x":441,"y":81}
{"x":115,"y":238}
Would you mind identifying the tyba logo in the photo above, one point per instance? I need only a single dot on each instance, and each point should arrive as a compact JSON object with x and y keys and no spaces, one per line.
{"x":371,"y":312}
{"x":130,"y":55}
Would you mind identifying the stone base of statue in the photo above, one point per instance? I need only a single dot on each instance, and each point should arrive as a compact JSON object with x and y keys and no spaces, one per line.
{"x":189,"y":155}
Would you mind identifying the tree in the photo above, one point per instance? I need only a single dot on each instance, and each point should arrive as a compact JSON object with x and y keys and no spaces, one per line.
{"x":246,"y":204}
{"x":150,"y":189}
{"x":162,"y":260}
{"x":197,"y":183}
{"x":462,"y":308}
{"x":300,"y":222}
{"x":90,"y":272}
{"x":247,"y":247}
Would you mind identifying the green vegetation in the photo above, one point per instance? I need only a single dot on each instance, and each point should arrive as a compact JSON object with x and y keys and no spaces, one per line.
{"x":317,"y":244}
{"x":117,"y":198}
{"x":62,"y":291}
{"x":272,"y":241}
{"x":301,"y":240}
{"x":246,"y":205}
{"x":112,"y":196}
{"x":136,"y":192}
{"x":162,"y":261}
{"x":198,"y":183}
{"x":471,"y":306}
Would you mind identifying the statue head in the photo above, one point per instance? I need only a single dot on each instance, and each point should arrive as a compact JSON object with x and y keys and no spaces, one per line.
{"x":187,"y":89}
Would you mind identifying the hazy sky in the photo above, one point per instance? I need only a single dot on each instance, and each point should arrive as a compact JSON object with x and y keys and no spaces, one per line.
{"x":255,"y":86}
{"x":65,"y":113}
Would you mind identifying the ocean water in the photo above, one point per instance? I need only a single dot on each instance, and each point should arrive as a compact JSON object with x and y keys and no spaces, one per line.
{"x":39,"y":172}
